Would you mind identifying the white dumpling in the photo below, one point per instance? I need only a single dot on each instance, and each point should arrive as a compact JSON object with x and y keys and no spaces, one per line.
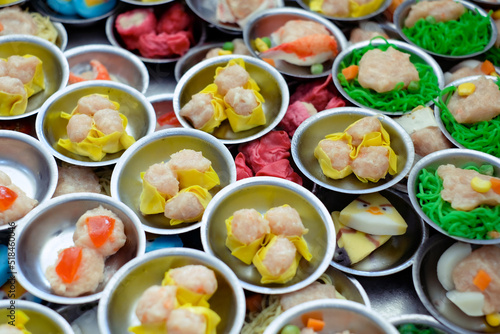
{"x":78,"y":127}
{"x":183,"y":321}
{"x":156,"y":304}
{"x":196,"y":278}
{"x":248,"y":225}
{"x":163,"y":178}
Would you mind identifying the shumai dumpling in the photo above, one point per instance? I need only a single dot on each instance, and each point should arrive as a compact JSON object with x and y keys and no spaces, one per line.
{"x":158,"y":183}
{"x":192,"y":320}
{"x":13,"y":97}
{"x":205,"y":110}
{"x":193,"y":169}
{"x":244,"y":109}
{"x":188,"y":205}
{"x":28,"y":69}
{"x":334,"y":155}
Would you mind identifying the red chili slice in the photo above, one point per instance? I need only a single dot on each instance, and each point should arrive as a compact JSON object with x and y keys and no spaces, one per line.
{"x":7,"y":198}
{"x":69,"y":261}
{"x":100,"y":228}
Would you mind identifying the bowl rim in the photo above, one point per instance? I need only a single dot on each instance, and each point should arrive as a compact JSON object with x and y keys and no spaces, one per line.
{"x":222,"y":61}
{"x":305,"y":14}
{"x":122,"y":273}
{"x":162,"y":97}
{"x":468,"y":5}
{"x":156,"y":136}
{"x":193,"y":51}
{"x":39,"y":123}
{"x":61,"y":30}
{"x":289,"y":185}
{"x":385,"y":4}
{"x":50,"y":47}
{"x":403,"y":46}
{"x":50,"y":204}
{"x":431,"y":158}
{"x":109,"y":49}
{"x":405,"y":137}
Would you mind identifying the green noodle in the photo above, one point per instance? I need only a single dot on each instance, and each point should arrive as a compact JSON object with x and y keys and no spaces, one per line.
{"x":398,"y":99}
{"x":469,"y":34}
{"x":493,"y":55}
{"x":479,"y":223}
{"x":481,"y":136}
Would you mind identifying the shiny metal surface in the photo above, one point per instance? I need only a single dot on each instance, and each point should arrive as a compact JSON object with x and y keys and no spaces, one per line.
{"x":55,"y":67}
{"x":49,"y":228}
{"x":382,"y":8}
{"x":41,"y":318}
{"x":262,"y":194}
{"x":146,"y":3}
{"x":116,"y":310}
{"x":34,"y":171}
{"x":62,"y":36}
{"x":419,"y":319}
{"x":264,"y":24}
{"x":338,"y":315}
{"x":121,"y":64}
{"x":273,"y":88}
{"x":50,"y":126}
{"x":348,"y":286}
{"x":316,"y":127}
{"x":43,"y":8}
{"x":126,"y":183}
{"x":193,"y":57}
{"x":415,"y":53}
{"x":402,"y":12}
{"x":459,"y":158}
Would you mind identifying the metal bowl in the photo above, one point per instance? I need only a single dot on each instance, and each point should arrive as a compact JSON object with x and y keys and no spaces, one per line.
{"x":34,"y":171}
{"x":348,"y":286}
{"x":55,"y":67}
{"x":262,"y":194}
{"x":193,"y":57}
{"x":415,"y":52}
{"x":126,"y":184}
{"x":338,"y":315}
{"x":459,"y":158}
{"x":316,"y":127}
{"x":62,"y":36}
{"x":50,"y":127}
{"x":381,"y":9}
{"x":419,"y":319}
{"x":199,"y":34}
{"x":433,"y":295}
{"x":116,"y":310}
{"x":123,"y":66}
{"x":49,"y":228}
{"x":264,"y":24}
{"x":273,"y":88}
{"x":41,"y":318}
{"x":402,"y":12}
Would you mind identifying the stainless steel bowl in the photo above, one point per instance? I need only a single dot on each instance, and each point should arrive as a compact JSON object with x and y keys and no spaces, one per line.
{"x":50,"y":127}
{"x":338,"y":315}
{"x":273,"y":88}
{"x":34,"y":171}
{"x":433,"y":295}
{"x":405,"y":47}
{"x":316,"y":127}
{"x":262,"y":194}
{"x":117,"y":306}
{"x":55,"y":67}
{"x":49,"y":228}
{"x":62,"y":36}
{"x":381,"y":9}
{"x":263,"y":24}
{"x":419,"y":319}
{"x":193,"y":57}
{"x":402,"y":12}
{"x":459,"y":158}
{"x":126,"y":184}
{"x":199,"y":35}
{"x":41,"y":318}
{"x":123,"y":66}
{"x":43,"y":8}
{"x":348,"y":286}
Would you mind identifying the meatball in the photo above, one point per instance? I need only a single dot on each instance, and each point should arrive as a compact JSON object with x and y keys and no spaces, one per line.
{"x":90,"y":104}
{"x":184,"y":206}
{"x":372,"y":162}
{"x":248,"y":225}
{"x":231,"y":77}
{"x":196,"y":278}
{"x":280,"y":256}
{"x":189,"y":159}
{"x":199,"y":110}
{"x":78,"y":127}
{"x":242,"y":100}
{"x":163,"y":179}
{"x":108,"y":121}
{"x":285,"y":220}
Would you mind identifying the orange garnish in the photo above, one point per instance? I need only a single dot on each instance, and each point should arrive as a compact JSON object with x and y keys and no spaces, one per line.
{"x":69,"y":261}
{"x":168,"y":118}
{"x":254,"y":303}
{"x":487,"y":67}
{"x":351,"y":72}
{"x":481,"y":280}
{"x":100,"y":228}
{"x":315,"y":324}
{"x":270,"y":61}
{"x":495,"y":184}
{"x":374,"y":210}
{"x":7,"y":198}
{"x":100,"y":70}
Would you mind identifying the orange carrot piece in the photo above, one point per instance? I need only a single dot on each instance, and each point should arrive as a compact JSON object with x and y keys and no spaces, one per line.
{"x":100,"y":70}
{"x":7,"y":198}
{"x":351,"y":72}
{"x":253,"y":303}
{"x":495,"y":185}
{"x":487,"y":67}
{"x":482,"y":280}
{"x":69,"y":261}
{"x":315,"y":324}
{"x":270,"y":61}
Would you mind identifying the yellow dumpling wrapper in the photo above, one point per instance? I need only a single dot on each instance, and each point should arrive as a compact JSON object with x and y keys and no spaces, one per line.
{"x":203,"y":196}
{"x":184,"y":295}
{"x":241,"y":123}
{"x":20,"y":320}
{"x":219,"y":109}
{"x":193,"y":177}
{"x":12,"y":104}
{"x":357,"y":10}
{"x":325,"y":162}
{"x":302,"y":247}
{"x":240,"y":250}
{"x":212,"y":318}
{"x":151,"y":200}
{"x":149,"y":329}
{"x":267,"y":277}
{"x":251,"y":84}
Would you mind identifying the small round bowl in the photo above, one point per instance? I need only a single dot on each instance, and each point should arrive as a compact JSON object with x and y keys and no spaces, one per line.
{"x":193,"y":57}
{"x":34,"y":171}
{"x":49,"y":228}
{"x":41,"y":318}
{"x":415,"y":53}
{"x":55,"y":67}
{"x":419,"y":319}
{"x":460,"y":158}
{"x":122,"y":65}
{"x":43,"y":8}
{"x":116,"y":310}
{"x":262,"y":194}
{"x":162,"y":103}
{"x":338,"y":315}
{"x":273,"y":88}
{"x":50,"y":127}
{"x":126,"y":183}
{"x":402,"y":12}
{"x":315,"y":128}
{"x":263,"y":24}
{"x":433,"y":295}
{"x":381,"y":9}
{"x":199,"y":34}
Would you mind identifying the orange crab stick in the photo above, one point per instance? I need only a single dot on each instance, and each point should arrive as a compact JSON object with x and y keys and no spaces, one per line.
{"x":99,"y":70}
{"x":69,"y":261}
{"x":168,"y":118}
{"x":100,"y":229}
{"x":7,"y":198}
